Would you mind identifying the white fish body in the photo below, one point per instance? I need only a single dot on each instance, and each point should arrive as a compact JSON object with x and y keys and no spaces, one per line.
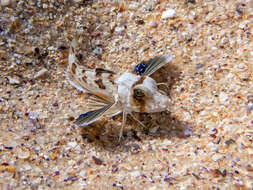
{"x":111,"y":93}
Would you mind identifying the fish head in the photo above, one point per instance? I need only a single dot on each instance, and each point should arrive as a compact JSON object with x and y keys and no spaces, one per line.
{"x":146,"y":97}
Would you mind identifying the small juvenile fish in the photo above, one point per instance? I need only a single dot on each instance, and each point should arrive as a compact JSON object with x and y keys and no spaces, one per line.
{"x":113,"y":93}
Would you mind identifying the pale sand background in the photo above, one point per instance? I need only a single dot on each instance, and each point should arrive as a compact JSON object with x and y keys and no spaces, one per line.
{"x":204,"y":143}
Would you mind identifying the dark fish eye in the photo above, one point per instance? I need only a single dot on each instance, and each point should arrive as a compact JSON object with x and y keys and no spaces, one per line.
{"x":138,"y":94}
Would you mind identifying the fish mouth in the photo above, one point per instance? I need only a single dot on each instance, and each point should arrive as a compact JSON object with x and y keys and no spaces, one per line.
{"x":161,"y":104}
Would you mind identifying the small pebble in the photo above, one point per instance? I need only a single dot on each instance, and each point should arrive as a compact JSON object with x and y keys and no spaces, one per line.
{"x":216,"y":173}
{"x":23,"y":153}
{"x":140,"y":22}
{"x":27,"y":166}
{"x":53,"y":155}
{"x":119,"y":29}
{"x":71,"y":178}
{"x":41,"y":74}
{"x":98,"y":51}
{"x":135,"y":174}
{"x":223,"y":97}
{"x":169,"y":13}
{"x":229,"y":142}
{"x":114,"y":170}
{"x":199,"y":65}
{"x":37,"y":50}
{"x":188,"y":131}
{"x":7,"y":168}
{"x":97,"y":161}
{"x":2,"y":52}
{"x":62,"y":47}
{"x":250,"y":108}
{"x":190,"y":1}
{"x":55,"y":104}
{"x":153,"y":24}
{"x":153,"y":129}
{"x":72,"y":144}
{"x":224,"y":173}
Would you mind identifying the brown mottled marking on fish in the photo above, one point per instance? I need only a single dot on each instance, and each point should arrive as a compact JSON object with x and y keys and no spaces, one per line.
{"x":100,"y":84}
{"x":84,"y":78}
{"x":111,"y":76}
{"x":112,"y":81}
{"x":73,"y":68}
{"x":140,"y":81}
{"x":100,"y":71}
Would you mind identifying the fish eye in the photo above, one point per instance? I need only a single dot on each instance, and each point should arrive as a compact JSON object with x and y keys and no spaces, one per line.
{"x":138,"y":94}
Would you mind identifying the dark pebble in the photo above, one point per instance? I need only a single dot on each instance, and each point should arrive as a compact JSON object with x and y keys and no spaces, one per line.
{"x":229,"y":142}
{"x":8,"y":147}
{"x":190,"y":1}
{"x":62,"y":47}
{"x":239,"y":10}
{"x":224,"y":173}
{"x":97,"y":161}
{"x":37,"y":50}
{"x":188,"y":131}
{"x":114,"y":170}
{"x":71,"y":118}
{"x":199,"y":66}
{"x":72,"y":178}
{"x":217,"y":173}
{"x":55,"y":104}
{"x":140,"y":22}
{"x":250,"y":108}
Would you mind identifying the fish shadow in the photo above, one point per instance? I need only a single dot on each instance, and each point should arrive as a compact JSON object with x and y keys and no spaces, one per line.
{"x":161,"y":126}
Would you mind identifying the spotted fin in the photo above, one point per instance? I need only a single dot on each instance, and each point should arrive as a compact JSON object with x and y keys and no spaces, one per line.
{"x":99,"y":81}
{"x":154,"y":64}
{"x":91,"y":116}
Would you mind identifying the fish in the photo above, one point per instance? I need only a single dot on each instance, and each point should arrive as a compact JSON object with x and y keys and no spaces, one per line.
{"x":110,"y":93}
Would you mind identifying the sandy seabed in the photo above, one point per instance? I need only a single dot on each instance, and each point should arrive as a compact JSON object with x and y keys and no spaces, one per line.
{"x":205,"y":142}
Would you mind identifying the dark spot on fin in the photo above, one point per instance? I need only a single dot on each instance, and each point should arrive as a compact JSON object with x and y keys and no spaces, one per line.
{"x":85,"y":114}
{"x":140,"y":68}
{"x":83,"y":117}
{"x":91,"y":116}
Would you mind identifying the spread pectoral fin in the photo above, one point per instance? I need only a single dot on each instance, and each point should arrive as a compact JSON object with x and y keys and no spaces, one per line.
{"x":156,"y":63}
{"x":91,"y":116}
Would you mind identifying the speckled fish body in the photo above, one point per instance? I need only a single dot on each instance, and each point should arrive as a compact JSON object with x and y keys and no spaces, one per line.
{"x":111,"y":93}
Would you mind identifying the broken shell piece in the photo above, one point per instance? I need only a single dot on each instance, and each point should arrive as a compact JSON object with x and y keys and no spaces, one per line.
{"x":42,"y":73}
